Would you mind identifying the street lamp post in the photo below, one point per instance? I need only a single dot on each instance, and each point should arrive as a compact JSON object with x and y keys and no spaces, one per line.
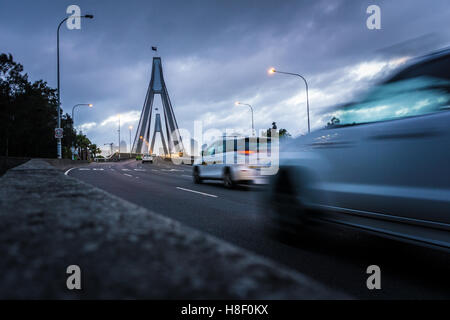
{"x":130,"y":128}
{"x":251,"y":108}
{"x":272,"y":70}
{"x":77,"y":105}
{"x":119,"y":138}
{"x":73,"y":121}
{"x":58,"y":148}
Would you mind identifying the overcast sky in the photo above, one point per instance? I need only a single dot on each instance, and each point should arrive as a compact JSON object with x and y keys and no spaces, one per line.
{"x":215,"y":53}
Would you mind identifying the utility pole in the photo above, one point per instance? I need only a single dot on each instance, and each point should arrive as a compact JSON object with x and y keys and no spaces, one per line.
{"x":58,"y":146}
{"x":130,"y":127}
{"x":251,"y":108}
{"x":119,"y":137}
{"x":73,"y":122}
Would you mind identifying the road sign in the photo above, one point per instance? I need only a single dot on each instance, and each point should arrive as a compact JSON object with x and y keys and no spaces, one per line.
{"x":58,"y":133}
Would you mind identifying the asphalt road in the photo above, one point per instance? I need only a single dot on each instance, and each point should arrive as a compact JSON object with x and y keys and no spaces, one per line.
{"x":335,"y":256}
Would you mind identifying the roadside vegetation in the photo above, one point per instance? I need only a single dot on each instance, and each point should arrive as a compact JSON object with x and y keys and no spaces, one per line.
{"x":28,"y":117}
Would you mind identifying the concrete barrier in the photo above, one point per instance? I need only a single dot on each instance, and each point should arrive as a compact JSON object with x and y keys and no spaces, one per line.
{"x":49,"y":221}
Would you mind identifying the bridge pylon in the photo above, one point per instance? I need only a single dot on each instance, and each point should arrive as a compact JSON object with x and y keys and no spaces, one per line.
{"x":141,"y":141}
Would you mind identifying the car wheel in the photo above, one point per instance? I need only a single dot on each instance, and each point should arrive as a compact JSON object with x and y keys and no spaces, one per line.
{"x":196,"y":176}
{"x":228,"y":179}
{"x":287,"y":214}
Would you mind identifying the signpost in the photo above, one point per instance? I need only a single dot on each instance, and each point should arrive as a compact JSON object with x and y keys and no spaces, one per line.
{"x":58,"y":133}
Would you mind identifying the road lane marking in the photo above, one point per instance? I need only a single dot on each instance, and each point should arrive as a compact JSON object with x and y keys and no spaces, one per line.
{"x":67,"y":172}
{"x":202,"y":193}
{"x":84,"y":169}
{"x":128,"y":175}
{"x":140,"y":170}
{"x":126,"y":170}
{"x":98,"y":169}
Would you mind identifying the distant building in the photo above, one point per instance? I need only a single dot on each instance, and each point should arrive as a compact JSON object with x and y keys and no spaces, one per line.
{"x":123,"y":147}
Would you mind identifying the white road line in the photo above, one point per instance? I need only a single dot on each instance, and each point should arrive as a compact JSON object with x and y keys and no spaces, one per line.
{"x":141,"y":170}
{"x":98,"y":169}
{"x":202,"y":193}
{"x":67,"y":172}
{"x":126,"y":170}
{"x":128,"y":175}
{"x":84,"y":169}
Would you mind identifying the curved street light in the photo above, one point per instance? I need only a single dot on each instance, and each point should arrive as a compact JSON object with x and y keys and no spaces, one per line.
{"x":58,"y":148}
{"x":251,"y":108}
{"x":90,"y":105}
{"x":272,"y":71}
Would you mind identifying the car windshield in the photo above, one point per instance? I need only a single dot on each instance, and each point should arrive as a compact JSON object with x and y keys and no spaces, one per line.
{"x":416,"y":91}
{"x":411,"y":97}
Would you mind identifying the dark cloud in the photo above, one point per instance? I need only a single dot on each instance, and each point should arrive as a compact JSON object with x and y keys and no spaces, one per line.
{"x":216,"y":52}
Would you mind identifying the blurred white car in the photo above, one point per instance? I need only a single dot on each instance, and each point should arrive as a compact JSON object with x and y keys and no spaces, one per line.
{"x":234,"y":160}
{"x":147,"y":158}
{"x":382,"y":164}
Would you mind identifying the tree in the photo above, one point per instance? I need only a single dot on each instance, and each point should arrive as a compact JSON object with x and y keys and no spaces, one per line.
{"x":28,"y":115}
{"x":282,"y":133}
{"x":82,"y":143}
{"x":334,"y":121}
{"x":94,"y":150}
{"x":69,"y":138}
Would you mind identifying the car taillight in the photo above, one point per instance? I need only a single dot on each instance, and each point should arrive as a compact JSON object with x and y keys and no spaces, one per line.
{"x":246,"y":152}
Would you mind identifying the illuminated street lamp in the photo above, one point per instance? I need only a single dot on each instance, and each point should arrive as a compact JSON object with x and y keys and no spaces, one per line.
{"x":58,"y":147}
{"x":272,"y":71}
{"x":251,"y":108}
{"x":90,"y":105}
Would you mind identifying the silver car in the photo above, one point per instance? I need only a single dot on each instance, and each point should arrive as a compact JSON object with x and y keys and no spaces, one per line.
{"x":234,"y":160}
{"x":382,"y":164}
{"x":147,"y":158}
